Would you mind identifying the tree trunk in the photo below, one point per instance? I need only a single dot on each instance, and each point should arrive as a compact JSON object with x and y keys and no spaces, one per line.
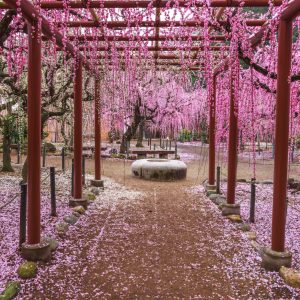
{"x":127,"y":136}
{"x":123,"y":146}
{"x":139,"y":142}
{"x":131,"y":130}
{"x":6,"y":147}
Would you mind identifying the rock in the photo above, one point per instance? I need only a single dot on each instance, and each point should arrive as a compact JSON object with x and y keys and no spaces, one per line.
{"x":251,"y":235}
{"x":290,"y":276}
{"x":95,"y":191}
{"x":76,"y":214}
{"x":53,"y":243}
{"x":79,"y":209}
{"x":211,"y":192}
{"x":62,"y":228}
{"x":235,"y":218}
{"x":257,"y":247}
{"x":10,"y":291}
{"x":294,"y":185}
{"x":268,"y":181}
{"x":220,"y":206}
{"x":213,"y":196}
{"x":89,"y":196}
{"x":297,"y":187}
{"x":241,"y":180}
{"x":219,"y":200}
{"x":71,"y":219}
{"x":27,"y":270}
{"x":244,"y":227}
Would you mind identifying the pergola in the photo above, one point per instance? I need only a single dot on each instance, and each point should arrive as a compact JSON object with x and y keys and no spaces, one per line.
{"x":164,"y":51}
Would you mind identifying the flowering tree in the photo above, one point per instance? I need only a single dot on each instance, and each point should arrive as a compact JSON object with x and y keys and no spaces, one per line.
{"x":160,"y":99}
{"x":130,"y":56}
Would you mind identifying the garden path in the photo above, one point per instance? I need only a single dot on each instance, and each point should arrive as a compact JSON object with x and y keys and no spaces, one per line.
{"x":169,"y":243}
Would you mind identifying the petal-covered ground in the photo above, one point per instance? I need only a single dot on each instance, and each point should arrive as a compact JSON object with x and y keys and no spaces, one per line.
{"x":263,"y":216}
{"x":10,"y":213}
{"x":149,"y":240}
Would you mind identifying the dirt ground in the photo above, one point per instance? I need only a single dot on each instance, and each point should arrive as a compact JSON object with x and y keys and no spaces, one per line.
{"x":167,"y":244}
{"x":197,"y":161}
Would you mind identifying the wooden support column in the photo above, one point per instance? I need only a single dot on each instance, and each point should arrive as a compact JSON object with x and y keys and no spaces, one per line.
{"x":78,"y":131}
{"x":275,"y":257}
{"x":281,"y":135}
{"x":34,"y":133}
{"x":97,"y":125}
{"x":232,"y":144}
{"x":212,"y":129}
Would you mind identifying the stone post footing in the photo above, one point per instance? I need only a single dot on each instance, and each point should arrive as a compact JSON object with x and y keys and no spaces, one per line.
{"x":231,"y":209}
{"x":273,"y":260}
{"x":78,"y":202}
{"x":36,"y":252}
{"x":210,"y":187}
{"x":97,"y":183}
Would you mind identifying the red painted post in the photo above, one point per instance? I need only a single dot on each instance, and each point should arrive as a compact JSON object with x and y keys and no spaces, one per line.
{"x":281,"y":135}
{"x":34,"y":133}
{"x":212,"y":128}
{"x":78,"y":130}
{"x":97,"y":131}
{"x":232,"y":144}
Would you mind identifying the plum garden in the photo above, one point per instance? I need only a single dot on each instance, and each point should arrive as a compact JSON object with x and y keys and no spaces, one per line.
{"x":224,"y":75}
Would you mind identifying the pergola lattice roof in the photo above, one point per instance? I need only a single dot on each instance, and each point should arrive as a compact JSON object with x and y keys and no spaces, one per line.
{"x":172,"y":33}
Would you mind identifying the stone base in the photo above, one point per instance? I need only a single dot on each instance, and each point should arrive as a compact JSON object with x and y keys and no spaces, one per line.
{"x":211,"y":192}
{"x":36,"y":252}
{"x":210,"y":187}
{"x":97,"y":183}
{"x":159,"y":169}
{"x":230,"y":209}
{"x":273,"y":260}
{"x":78,"y":202}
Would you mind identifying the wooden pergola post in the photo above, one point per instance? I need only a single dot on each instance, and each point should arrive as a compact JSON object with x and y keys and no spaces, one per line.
{"x":97,"y":128}
{"x":276,"y":256}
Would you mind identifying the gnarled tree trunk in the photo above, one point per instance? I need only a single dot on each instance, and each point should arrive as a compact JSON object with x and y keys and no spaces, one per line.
{"x":131,"y":130}
{"x":139,"y":142}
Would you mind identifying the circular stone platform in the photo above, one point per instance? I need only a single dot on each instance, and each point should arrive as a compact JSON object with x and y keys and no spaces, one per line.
{"x":159,"y":169}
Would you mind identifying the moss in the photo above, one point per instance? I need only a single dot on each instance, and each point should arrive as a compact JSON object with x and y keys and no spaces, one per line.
{"x":91,"y":196}
{"x":155,"y":175}
{"x":27,"y":270}
{"x":11,"y":290}
{"x":79,"y":209}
